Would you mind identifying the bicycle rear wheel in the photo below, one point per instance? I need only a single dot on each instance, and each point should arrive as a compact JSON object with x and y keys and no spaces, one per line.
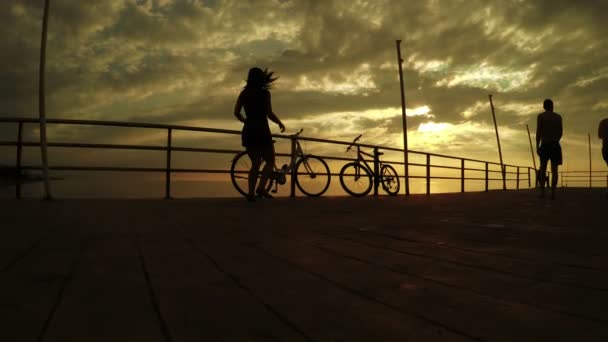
{"x":356,"y":179}
{"x":312,"y":176}
{"x":239,"y":174}
{"x":389,"y":179}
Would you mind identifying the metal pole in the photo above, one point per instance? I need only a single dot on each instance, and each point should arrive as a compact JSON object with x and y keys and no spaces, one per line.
{"x":428,"y":174}
{"x":376,"y":172}
{"x":18,"y":168}
{"x":487,"y":176}
{"x":533,"y":156}
{"x":461,"y":175}
{"x":404,"y":119}
{"x":41,"y":103}
{"x":168,"y":172}
{"x":590,"y":175}
{"x":502,"y":169}
{"x":292,"y":181}
{"x":517,"y":187}
{"x":529,"y":181}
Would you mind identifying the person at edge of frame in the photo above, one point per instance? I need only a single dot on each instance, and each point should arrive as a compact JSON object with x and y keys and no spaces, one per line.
{"x":549,"y":131}
{"x":602,"y":133}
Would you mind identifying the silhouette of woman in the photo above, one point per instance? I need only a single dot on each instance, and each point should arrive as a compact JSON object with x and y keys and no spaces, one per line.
{"x":256,"y":137}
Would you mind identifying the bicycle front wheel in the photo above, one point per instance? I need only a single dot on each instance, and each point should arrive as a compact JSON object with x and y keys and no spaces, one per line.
{"x":356,"y":179}
{"x":312,"y":176}
{"x":239,"y":174}
{"x":389,"y":179}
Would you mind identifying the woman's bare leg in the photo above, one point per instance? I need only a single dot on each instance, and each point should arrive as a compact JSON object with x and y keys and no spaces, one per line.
{"x":255,"y":156}
{"x":268,"y":156}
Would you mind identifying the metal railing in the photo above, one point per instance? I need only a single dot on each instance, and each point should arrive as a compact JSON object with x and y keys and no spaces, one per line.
{"x":511,"y":173}
{"x":581,"y":178}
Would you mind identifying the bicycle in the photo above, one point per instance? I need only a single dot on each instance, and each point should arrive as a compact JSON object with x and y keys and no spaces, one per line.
{"x":312,"y":173}
{"x":356,"y":177}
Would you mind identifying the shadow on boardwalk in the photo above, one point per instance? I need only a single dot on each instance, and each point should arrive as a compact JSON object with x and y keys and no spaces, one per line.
{"x":498,"y":266}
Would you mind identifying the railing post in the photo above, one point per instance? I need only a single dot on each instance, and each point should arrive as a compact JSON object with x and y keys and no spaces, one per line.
{"x":18,"y":166}
{"x":292,"y":181}
{"x":529,"y":180}
{"x":504,"y":177}
{"x":428,"y":174}
{"x":517,"y":186}
{"x":376,"y":171}
{"x":168,"y":170}
{"x":487,"y":176}
{"x":461,"y":175}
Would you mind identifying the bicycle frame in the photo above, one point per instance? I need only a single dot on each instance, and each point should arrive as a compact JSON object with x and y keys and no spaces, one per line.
{"x":299,"y":154}
{"x":312,"y":170}
{"x":361,"y":160}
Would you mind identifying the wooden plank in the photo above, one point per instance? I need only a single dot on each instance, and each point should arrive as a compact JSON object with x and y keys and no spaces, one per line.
{"x":108,"y":299}
{"x":536,"y":291}
{"x":201,"y":303}
{"x":31,"y":288}
{"x":320,"y":309}
{"x":479,"y":317}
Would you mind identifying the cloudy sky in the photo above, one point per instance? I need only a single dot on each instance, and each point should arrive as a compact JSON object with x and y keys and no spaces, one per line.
{"x":184,"y":61}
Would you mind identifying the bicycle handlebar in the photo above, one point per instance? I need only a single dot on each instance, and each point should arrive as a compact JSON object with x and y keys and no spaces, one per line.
{"x":354,"y":142}
{"x":295,"y":135}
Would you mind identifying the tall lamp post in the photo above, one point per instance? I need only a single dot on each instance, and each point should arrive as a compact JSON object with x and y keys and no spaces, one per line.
{"x":404,"y":119}
{"x":42,"y":104}
{"x":502,"y":167}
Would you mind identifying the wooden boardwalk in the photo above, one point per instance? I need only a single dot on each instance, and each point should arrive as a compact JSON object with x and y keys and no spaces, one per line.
{"x":498,"y":266}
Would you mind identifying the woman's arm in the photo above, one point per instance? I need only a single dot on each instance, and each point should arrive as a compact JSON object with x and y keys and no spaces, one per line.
{"x":272,"y":116}
{"x":237,"y":108}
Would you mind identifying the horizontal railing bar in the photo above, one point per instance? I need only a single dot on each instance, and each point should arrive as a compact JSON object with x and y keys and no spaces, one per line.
{"x":602,"y":181}
{"x":186,"y":170}
{"x":98,"y":146}
{"x":96,"y":168}
{"x":225,"y":131}
{"x":207,"y":150}
{"x":586,"y":177}
{"x":587,"y":172}
{"x":204,"y":150}
{"x":122,"y":124}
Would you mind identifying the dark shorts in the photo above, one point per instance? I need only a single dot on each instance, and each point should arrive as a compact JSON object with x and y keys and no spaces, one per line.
{"x":550,"y":151}
{"x":259,"y":153}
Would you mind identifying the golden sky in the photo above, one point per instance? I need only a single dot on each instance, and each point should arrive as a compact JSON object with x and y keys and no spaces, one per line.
{"x":183,"y":62}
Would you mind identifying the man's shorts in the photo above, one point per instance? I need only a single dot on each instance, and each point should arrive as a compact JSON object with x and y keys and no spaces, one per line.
{"x":551,"y":151}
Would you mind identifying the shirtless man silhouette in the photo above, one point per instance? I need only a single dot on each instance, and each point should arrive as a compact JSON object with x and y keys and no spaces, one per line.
{"x":548,"y":134}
